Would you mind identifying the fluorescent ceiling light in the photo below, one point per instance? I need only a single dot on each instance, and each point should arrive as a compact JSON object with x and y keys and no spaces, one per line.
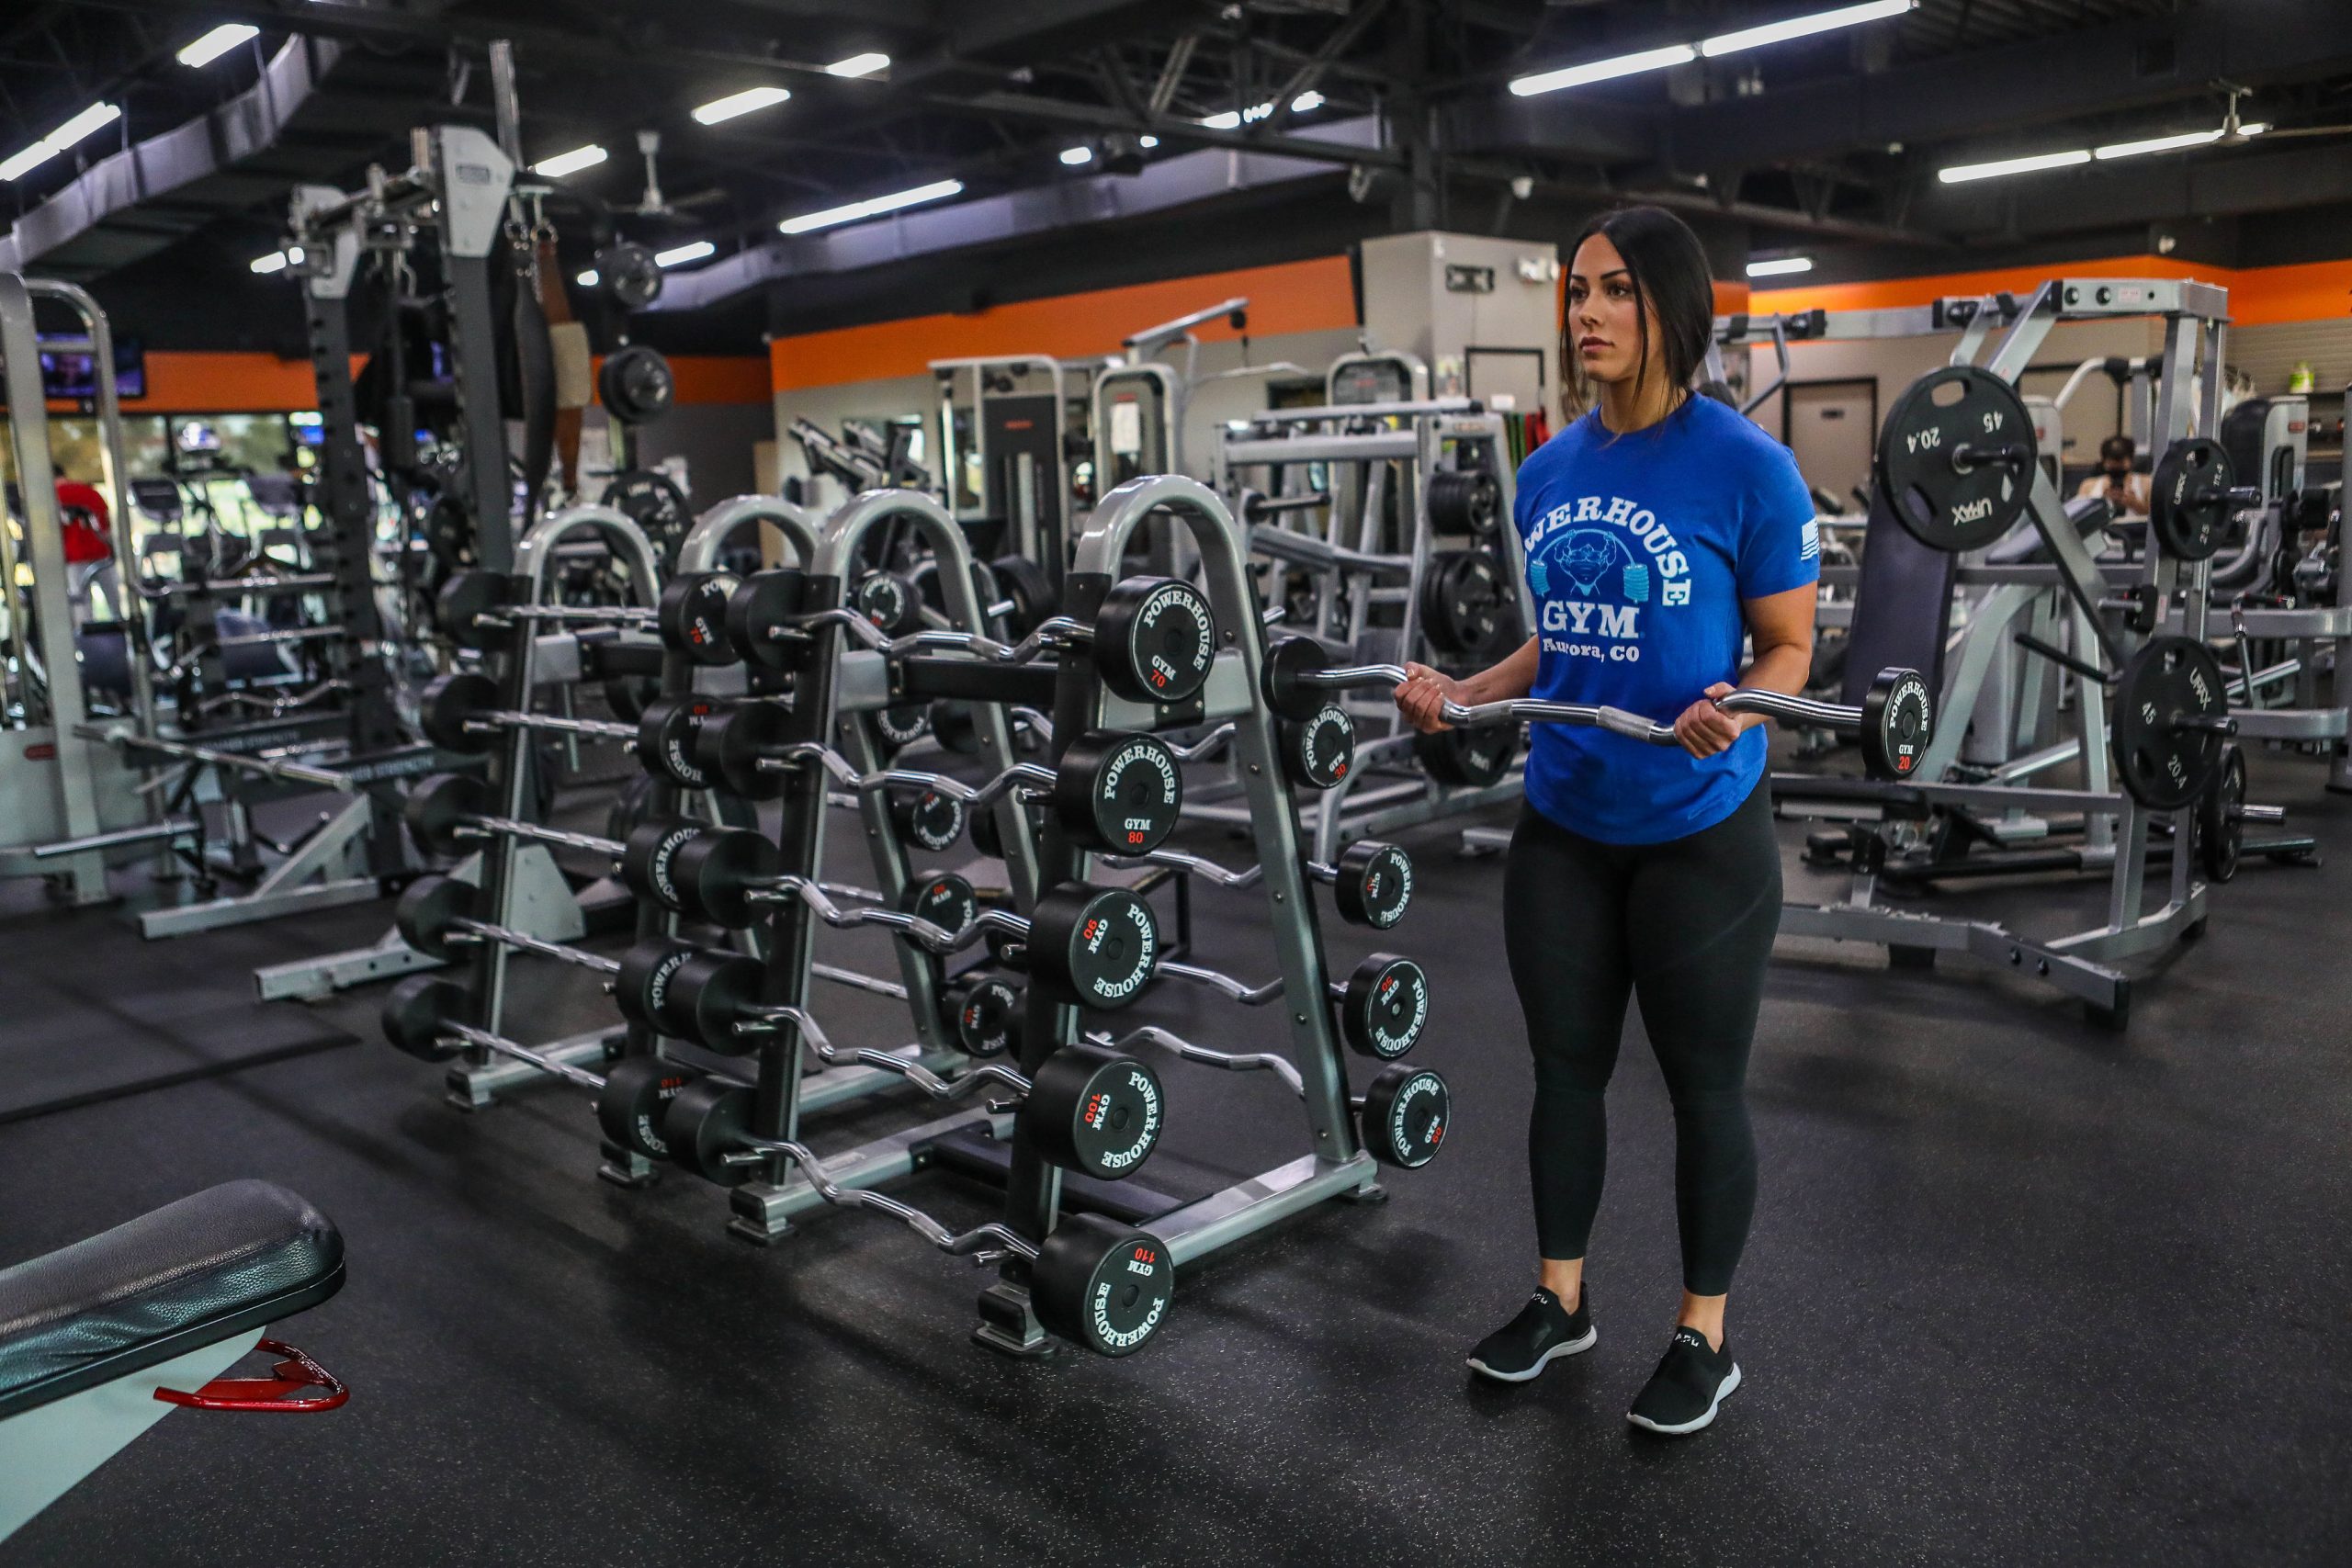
{"x":872,"y":206}
{"x":1959,"y":172}
{"x":1233,"y":120}
{"x":22,"y":163}
{"x":216,"y":43}
{"x":570,"y":163}
{"x":744,"y":102}
{"x":1804,"y":26}
{"x":1780,"y":268}
{"x":678,"y":256}
{"x":859,"y":65}
{"x":276,"y":261}
{"x":1604,"y":70}
{"x":1074,"y":156}
{"x":586,"y":280}
{"x":2170,"y":143}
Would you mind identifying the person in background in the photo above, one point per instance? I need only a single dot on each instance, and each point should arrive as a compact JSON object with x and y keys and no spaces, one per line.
{"x":2115,"y":483}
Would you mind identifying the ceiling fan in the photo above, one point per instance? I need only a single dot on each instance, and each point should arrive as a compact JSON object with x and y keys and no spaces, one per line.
{"x":2236,"y":133}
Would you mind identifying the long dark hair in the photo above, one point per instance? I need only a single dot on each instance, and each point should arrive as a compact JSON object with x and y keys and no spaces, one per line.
{"x":1669,"y":270}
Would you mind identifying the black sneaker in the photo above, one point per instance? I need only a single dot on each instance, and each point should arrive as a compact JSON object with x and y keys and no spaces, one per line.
{"x":1689,"y":1385}
{"x":1521,"y":1347}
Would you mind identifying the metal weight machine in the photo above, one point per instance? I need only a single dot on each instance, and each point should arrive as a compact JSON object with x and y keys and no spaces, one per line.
{"x":1397,"y":478}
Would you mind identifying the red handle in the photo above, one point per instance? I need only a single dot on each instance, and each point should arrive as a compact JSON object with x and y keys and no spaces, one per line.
{"x":295,"y":1373}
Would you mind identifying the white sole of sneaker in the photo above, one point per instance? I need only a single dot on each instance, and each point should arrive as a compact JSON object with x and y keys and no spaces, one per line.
{"x":1706,"y":1419}
{"x":1565,"y":1348}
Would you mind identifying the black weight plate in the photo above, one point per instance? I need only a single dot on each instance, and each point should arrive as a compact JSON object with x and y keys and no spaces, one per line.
{"x":1094,"y":1112}
{"x":954,"y":726}
{"x":448,"y":700}
{"x":718,"y":871}
{"x":1375,"y":885}
{"x":1945,"y":498}
{"x":1473,"y":758}
{"x":984,"y":1013}
{"x":1898,"y":720}
{"x":706,"y":1121}
{"x":943,"y":898}
{"x":889,"y":602}
{"x":655,"y":503}
{"x":1024,"y":582}
{"x":645,"y":989}
{"x":648,"y":857}
{"x":665,"y":739}
{"x":1101,"y":1285}
{"x":427,"y":914}
{"x":732,"y":745}
{"x":1095,"y":946}
{"x":2167,"y":678}
{"x":716,"y":994}
{"x":417,"y":1014}
{"x":635,"y":385}
{"x":1287,"y":659}
{"x":759,"y":615}
{"x":438,"y":807}
{"x":986,"y":839}
{"x":629,"y":1108}
{"x":465,"y":598}
{"x":628,"y":809}
{"x":1319,"y":751}
{"x":629,"y":275}
{"x":692,"y":616}
{"x":1464,"y":602}
{"x":901,"y":724}
{"x":2189,"y":498}
{"x":1385,"y":1006}
{"x":1405,"y":1113}
{"x":1118,"y":794}
{"x":2220,"y":818}
{"x":1155,"y":638}
{"x":930,"y":822}
{"x":1466,"y":501}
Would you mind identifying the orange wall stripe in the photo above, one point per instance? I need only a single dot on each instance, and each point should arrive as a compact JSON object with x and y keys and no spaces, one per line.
{"x":2259,"y":296}
{"x":1294,"y":297}
{"x":181,"y":382}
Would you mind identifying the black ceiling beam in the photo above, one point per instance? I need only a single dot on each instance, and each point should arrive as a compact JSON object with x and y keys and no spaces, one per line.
{"x":372,"y":24}
{"x":1103,"y":118}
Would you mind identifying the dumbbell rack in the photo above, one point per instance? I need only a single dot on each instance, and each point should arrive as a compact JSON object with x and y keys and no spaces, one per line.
{"x":1336,"y":1164}
{"x":522,"y":888}
{"x":1356,"y":569}
{"x":836,"y":694}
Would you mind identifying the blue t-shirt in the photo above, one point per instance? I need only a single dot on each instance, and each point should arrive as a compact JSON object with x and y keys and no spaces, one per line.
{"x":1639,"y":549}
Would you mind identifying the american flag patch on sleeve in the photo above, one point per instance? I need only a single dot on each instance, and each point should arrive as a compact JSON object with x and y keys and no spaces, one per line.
{"x":1812,"y":539}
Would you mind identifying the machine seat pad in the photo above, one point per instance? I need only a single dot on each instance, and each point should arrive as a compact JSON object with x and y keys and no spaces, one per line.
{"x":232,"y":1258}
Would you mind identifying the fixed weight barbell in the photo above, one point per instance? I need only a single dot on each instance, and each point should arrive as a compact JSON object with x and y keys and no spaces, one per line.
{"x":423,"y":1017}
{"x":1894,"y":721}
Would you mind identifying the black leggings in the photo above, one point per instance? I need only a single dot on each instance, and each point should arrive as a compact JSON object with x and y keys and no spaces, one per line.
{"x":1688,"y":925}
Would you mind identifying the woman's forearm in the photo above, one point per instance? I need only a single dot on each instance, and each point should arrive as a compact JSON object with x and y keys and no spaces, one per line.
{"x":1513,"y":677}
{"x":1782,"y":667}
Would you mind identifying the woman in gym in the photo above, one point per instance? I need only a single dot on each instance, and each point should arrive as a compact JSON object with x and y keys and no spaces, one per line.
{"x":1661,"y":530}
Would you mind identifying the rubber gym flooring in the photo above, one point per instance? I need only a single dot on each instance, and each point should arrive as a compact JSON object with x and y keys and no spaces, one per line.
{"x":2019,"y":1292}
